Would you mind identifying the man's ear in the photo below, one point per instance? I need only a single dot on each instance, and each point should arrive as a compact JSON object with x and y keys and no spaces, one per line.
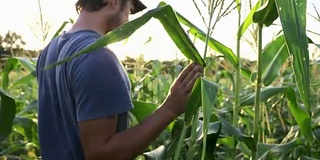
{"x":113,"y":4}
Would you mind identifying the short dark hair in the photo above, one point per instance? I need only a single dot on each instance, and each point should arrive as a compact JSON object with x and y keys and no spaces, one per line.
{"x":93,"y":5}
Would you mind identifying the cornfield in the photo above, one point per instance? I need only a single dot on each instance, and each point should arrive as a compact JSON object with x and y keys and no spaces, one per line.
{"x":268,"y":109}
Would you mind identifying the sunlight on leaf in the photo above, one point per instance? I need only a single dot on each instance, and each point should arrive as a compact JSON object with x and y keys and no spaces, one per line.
{"x":168,"y":19}
{"x":247,"y":21}
{"x":214,"y":44}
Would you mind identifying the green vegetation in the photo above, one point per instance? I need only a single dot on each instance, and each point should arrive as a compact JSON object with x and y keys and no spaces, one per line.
{"x":268,"y":109}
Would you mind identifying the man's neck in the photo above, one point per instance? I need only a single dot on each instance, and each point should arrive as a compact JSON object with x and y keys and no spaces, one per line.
{"x":90,"y":21}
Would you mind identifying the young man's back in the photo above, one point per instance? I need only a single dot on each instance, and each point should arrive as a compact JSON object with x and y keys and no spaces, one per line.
{"x":92,"y":86}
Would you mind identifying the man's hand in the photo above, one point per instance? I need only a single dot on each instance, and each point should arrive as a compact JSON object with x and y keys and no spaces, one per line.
{"x":179,"y":94}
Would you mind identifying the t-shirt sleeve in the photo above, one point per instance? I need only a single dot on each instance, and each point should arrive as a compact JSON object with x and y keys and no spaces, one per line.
{"x":100,"y":86}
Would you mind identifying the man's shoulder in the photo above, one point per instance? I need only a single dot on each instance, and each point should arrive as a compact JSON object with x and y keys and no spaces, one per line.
{"x":69,"y":43}
{"x":102,"y":57}
{"x":77,"y":41}
{"x":74,"y":42}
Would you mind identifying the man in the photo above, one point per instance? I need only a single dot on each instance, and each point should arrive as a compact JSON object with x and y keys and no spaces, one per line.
{"x":83,"y":103}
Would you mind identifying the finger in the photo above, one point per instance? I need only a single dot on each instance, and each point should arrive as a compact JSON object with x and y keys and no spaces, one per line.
{"x":195,"y":70}
{"x":185,"y":72}
{"x":191,"y":83}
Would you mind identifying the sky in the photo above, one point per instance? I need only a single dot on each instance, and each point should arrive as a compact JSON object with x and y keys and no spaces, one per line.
{"x":24,"y":20}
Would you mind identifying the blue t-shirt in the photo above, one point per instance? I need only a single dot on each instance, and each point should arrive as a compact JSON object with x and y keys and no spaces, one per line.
{"x":94,"y":85}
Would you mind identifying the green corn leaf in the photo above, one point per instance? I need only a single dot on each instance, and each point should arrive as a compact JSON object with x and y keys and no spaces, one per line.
{"x":225,"y":74}
{"x":142,"y":110}
{"x":265,"y":95}
{"x":303,"y":157}
{"x":194,"y":102}
{"x":243,"y":149}
{"x":170,"y":22}
{"x":276,"y":149}
{"x":300,"y":115}
{"x":156,"y":154}
{"x":31,"y":108}
{"x":26,"y":63}
{"x":209,"y":92}
{"x":228,"y":129}
{"x":149,"y":40}
{"x":12,"y":64}
{"x":266,"y":14}
{"x":218,"y":47}
{"x":274,"y":55}
{"x":214,"y":129}
{"x":168,"y":19}
{"x":238,"y":6}
{"x":156,"y":64}
{"x":293,"y":20}
{"x":26,"y":127}
{"x":253,"y":77}
{"x":177,"y":128}
{"x":245,"y":72}
{"x":24,"y":80}
{"x":63,"y":25}
{"x":7,"y":114}
{"x":214,"y":44}
{"x":247,"y":21}
{"x":227,"y":141}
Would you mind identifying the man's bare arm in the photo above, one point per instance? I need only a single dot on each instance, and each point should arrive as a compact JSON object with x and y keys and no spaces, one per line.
{"x":99,"y":137}
{"x":100,"y":142}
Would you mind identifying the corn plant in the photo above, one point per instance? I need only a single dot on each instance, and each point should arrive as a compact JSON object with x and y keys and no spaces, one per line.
{"x":272,"y":103}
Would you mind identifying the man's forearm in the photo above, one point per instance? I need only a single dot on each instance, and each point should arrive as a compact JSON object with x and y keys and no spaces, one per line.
{"x":131,"y":142}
